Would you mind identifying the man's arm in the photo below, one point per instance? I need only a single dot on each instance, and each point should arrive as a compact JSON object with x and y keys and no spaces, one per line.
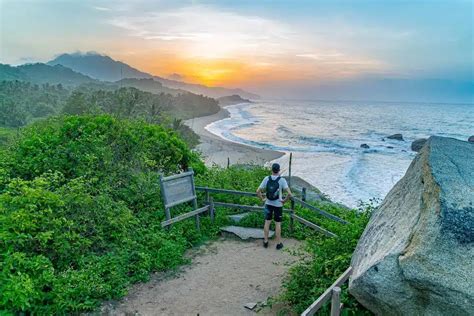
{"x":288,"y":195}
{"x":260,"y":195}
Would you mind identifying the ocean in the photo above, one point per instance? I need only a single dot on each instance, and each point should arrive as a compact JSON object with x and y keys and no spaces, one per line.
{"x":325,"y":139}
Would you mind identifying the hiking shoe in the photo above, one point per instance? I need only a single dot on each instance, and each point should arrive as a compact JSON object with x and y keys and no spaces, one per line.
{"x":265,"y":244}
{"x":279,"y":246}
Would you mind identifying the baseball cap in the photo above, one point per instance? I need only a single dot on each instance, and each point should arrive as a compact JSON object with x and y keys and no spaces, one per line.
{"x":275,"y":167}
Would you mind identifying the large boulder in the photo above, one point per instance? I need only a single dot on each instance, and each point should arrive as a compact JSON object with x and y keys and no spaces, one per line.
{"x":416,"y":145}
{"x":416,"y":255}
{"x":471,"y":139}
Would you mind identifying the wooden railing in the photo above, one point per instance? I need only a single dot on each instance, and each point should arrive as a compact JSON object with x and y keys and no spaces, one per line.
{"x":319,"y":211}
{"x":291,"y":210}
{"x":333,"y":293}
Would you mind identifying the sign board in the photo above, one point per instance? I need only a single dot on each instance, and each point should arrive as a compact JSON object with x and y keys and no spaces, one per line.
{"x":178,"y":189}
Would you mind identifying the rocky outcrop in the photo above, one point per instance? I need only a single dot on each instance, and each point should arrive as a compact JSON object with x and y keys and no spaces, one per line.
{"x":416,"y":254}
{"x":396,"y":137}
{"x":471,"y":139}
{"x":418,"y":144}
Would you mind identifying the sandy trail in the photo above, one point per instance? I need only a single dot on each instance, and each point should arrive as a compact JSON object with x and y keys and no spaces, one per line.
{"x":223,"y":277}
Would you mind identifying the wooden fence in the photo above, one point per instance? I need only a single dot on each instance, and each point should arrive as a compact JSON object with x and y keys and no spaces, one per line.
{"x":291,"y":210}
{"x":333,"y":293}
{"x":178,"y":189}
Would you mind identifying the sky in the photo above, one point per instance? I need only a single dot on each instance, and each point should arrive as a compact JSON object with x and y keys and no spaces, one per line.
{"x":251,"y":44}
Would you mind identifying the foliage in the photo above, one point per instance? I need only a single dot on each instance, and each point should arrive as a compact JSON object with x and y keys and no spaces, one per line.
{"x":80,"y":212}
{"x":24,"y":102}
{"x":328,"y":258}
{"x":6,"y":135}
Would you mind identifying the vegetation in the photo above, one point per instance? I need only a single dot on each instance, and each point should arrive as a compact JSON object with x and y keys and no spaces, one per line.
{"x":80,"y":210}
{"x":325,"y":259}
{"x":80,"y":213}
{"x":24,"y":102}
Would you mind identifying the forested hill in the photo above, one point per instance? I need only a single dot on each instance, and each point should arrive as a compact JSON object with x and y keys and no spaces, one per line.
{"x":24,"y":102}
{"x":105,"y":68}
{"x":42,"y":73}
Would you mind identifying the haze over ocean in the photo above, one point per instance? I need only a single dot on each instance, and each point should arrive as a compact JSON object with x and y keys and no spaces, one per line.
{"x":325,"y":138}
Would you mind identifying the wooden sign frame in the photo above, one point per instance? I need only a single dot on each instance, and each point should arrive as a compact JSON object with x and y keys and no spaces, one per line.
{"x":184,"y":191}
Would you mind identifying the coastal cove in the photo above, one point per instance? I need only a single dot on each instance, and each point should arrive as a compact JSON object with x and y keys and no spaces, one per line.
{"x":326,"y":137}
{"x":216,"y":150}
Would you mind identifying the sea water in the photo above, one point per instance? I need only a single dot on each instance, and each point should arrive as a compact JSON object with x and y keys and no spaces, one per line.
{"x":325,"y":139}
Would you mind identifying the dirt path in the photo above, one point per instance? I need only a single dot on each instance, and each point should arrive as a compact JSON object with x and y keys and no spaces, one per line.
{"x":223,"y":277}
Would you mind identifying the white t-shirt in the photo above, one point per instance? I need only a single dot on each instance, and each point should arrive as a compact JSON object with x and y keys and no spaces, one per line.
{"x":282,"y":185}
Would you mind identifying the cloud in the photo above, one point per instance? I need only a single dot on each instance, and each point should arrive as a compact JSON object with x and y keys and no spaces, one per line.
{"x":102,"y":8}
{"x":200,"y":33}
{"x":206,"y":32}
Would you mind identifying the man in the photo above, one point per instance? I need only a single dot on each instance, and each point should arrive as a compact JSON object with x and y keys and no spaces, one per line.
{"x":273,"y":186}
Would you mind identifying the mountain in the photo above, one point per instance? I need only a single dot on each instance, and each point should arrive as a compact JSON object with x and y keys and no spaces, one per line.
{"x":98,"y":66}
{"x":105,"y":68}
{"x":42,"y":73}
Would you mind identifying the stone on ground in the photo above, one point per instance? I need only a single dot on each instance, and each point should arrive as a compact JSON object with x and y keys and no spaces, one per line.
{"x":246,"y":233}
{"x":415,"y":256}
{"x":250,"y":306}
{"x":238,"y":217}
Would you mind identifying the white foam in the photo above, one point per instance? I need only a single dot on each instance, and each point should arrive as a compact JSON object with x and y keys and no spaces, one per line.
{"x":325,"y":139}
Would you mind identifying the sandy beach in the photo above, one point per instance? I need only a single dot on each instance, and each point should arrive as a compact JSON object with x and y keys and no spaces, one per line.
{"x":216,"y":150}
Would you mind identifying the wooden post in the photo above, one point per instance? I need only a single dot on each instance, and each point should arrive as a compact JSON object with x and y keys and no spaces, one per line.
{"x":289,"y":170}
{"x":167,"y":213}
{"x":228,"y":162}
{"x":211,"y":209}
{"x":207,"y":197}
{"x":195,"y":206}
{"x":336,"y":301}
{"x":292,"y":222}
{"x":303,"y":194}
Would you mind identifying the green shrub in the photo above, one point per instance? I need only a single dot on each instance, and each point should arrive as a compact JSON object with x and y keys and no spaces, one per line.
{"x":328,"y":258}
{"x":80,"y":212}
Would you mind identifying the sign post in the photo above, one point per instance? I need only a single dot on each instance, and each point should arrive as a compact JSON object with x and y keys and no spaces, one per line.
{"x":178,"y":189}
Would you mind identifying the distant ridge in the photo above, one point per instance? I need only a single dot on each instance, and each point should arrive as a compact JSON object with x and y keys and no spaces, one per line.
{"x":42,"y":73}
{"x":103,"y":67}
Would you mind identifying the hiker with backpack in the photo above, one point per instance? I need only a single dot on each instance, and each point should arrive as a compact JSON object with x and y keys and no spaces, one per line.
{"x":273,"y":186}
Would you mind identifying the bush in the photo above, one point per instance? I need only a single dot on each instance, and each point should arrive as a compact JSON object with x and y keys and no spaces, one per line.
{"x":328,"y":258}
{"x":80,"y":212}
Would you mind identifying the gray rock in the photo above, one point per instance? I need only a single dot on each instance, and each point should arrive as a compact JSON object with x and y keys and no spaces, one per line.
{"x":364,"y":146}
{"x":396,"y":137}
{"x":238,"y":217}
{"x":250,"y":306}
{"x":418,"y":144}
{"x":416,"y":254}
{"x":471,"y":139}
{"x":246,"y":233}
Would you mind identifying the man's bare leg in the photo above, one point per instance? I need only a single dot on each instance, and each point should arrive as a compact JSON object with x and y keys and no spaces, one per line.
{"x":266,"y":229}
{"x":278,"y":232}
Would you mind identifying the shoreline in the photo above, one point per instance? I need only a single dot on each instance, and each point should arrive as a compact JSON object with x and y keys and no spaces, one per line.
{"x":216,"y":150}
